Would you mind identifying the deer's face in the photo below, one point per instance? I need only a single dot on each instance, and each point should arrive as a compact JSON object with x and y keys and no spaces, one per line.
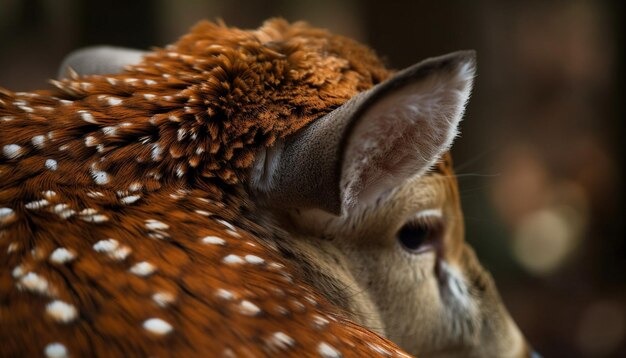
{"x":403,"y":269}
{"x":386,"y":243}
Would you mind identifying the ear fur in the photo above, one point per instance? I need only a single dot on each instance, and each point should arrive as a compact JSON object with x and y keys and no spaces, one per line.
{"x":99,"y":60}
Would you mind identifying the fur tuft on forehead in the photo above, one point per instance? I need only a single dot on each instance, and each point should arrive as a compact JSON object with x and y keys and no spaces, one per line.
{"x":202,"y":107}
{"x":271,"y":81}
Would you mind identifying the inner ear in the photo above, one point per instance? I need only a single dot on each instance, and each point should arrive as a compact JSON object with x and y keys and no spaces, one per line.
{"x":405,"y":130}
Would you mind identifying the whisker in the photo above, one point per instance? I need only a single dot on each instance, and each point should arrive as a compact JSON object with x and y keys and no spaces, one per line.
{"x":476,"y":158}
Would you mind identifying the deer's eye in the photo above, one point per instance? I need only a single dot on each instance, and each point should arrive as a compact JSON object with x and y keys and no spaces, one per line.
{"x":420,"y":235}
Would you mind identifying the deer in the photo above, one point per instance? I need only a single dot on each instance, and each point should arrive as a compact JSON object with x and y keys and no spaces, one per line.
{"x":242,"y":193}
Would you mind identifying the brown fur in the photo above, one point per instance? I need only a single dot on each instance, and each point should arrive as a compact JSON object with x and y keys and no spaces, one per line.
{"x":209,"y":102}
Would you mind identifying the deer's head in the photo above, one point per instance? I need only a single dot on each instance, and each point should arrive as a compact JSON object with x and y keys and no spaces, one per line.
{"x":371,"y":206}
{"x":365,"y":203}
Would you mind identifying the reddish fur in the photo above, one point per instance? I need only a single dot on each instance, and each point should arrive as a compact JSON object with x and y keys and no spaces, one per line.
{"x":237,"y":91}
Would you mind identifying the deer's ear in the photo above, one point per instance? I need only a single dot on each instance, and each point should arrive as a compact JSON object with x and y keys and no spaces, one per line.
{"x":405,"y":126}
{"x":373,"y":142}
{"x":99,"y":60}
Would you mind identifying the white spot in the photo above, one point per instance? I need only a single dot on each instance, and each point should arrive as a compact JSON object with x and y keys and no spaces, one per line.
{"x":225,"y":294}
{"x":109,"y":131}
{"x":135,"y":186}
{"x":67,"y":213}
{"x":18,"y":271}
{"x":277,"y":266}
{"x":39,"y":141}
{"x":61,"y":312}
{"x":95,"y":194}
{"x":88,"y":211}
{"x":12,"y":247}
{"x":328,"y":351}
{"x":12,"y":151}
{"x":108,"y":245}
{"x":51,"y":164}
{"x":114,"y":101}
{"x":27,"y":94}
{"x":157,"y":326}
{"x":62,"y":255}
{"x":311,"y":300}
{"x":49,"y":194}
{"x":55,"y":350}
{"x":33,"y":283}
{"x":64,"y":147}
{"x":121,"y":193}
{"x":100,"y":177}
{"x":213,"y":240}
{"x":150,"y":82}
{"x":203,"y":213}
{"x":252,"y":259}
{"x":7,"y":118}
{"x":23,"y":105}
{"x":158,"y":235}
{"x":173,"y":118}
{"x":181,"y":133}
{"x":149,"y":96}
{"x":143,"y":269}
{"x":91,"y":141}
{"x":248,"y":308}
{"x":319,"y":321}
{"x":6,"y":215}
{"x":233,"y":233}
{"x":156,"y":152}
{"x":378,"y":349}
{"x":163,"y":299}
{"x":87,"y":116}
{"x":180,"y":171}
{"x":63,"y":210}
{"x":233,"y":259}
{"x":121,"y":253}
{"x":227,"y":224}
{"x":180,"y":193}
{"x":152,"y":224}
{"x":112,"y":81}
{"x":281,"y":340}
{"x":100,"y":218}
{"x":130,"y":199}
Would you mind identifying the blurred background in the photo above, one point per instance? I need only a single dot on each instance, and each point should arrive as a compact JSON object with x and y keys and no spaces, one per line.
{"x":539,"y":159}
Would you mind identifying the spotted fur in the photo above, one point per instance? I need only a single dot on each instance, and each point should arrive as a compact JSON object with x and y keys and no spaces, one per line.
{"x":125,"y":227}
